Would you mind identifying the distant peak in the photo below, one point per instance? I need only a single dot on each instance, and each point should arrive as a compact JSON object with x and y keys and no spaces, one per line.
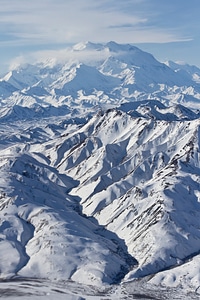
{"x":110,"y":46}
{"x":115,"y":47}
{"x":80,"y":46}
{"x":87,"y":46}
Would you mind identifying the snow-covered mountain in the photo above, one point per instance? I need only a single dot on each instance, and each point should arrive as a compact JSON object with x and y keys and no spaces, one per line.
{"x":90,"y":74}
{"x":185,"y":70}
{"x":100,"y":172}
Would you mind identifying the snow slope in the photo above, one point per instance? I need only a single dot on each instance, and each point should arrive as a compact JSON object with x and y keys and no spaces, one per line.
{"x":114,"y":195}
{"x":43,"y":233}
{"x":136,"y":174}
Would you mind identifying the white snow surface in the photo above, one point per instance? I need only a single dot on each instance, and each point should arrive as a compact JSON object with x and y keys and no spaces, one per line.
{"x":100,"y":176}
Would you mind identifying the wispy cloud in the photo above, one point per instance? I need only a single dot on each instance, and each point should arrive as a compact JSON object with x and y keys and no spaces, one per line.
{"x":59,"y":56}
{"x":28,"y":26}
{"x":61,"y":21}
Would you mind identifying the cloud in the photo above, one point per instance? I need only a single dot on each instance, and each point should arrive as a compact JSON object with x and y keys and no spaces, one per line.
{"x":70,"y":54}
{"x":61,"y":22}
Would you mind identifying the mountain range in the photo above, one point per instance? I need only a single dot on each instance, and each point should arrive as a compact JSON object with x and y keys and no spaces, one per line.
{"x":100,"y":172}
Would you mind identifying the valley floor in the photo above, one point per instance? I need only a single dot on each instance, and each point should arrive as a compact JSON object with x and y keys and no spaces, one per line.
{"x":34,"y":289}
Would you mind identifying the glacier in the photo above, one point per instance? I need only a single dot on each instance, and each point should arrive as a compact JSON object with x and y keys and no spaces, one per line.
{"x":100,"y":173}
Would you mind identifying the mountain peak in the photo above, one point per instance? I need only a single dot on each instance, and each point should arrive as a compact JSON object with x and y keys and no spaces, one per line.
{"x":87,"y":46}
{"x":111,"y":46}
{"x":115,"y":47}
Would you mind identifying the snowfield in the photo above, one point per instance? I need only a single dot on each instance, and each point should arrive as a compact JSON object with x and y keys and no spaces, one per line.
{"x":100,"y":177}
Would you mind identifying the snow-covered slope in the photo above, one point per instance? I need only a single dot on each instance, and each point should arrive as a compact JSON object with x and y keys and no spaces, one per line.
{"x":139,"y":177}
{"x":185,"y":70}
{"x":43,"y":232}
{"x":114,"y":195}
{"x":100,"y":173}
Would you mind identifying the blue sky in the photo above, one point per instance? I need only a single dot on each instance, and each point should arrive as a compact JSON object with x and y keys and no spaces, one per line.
{"x":167,"y":29}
